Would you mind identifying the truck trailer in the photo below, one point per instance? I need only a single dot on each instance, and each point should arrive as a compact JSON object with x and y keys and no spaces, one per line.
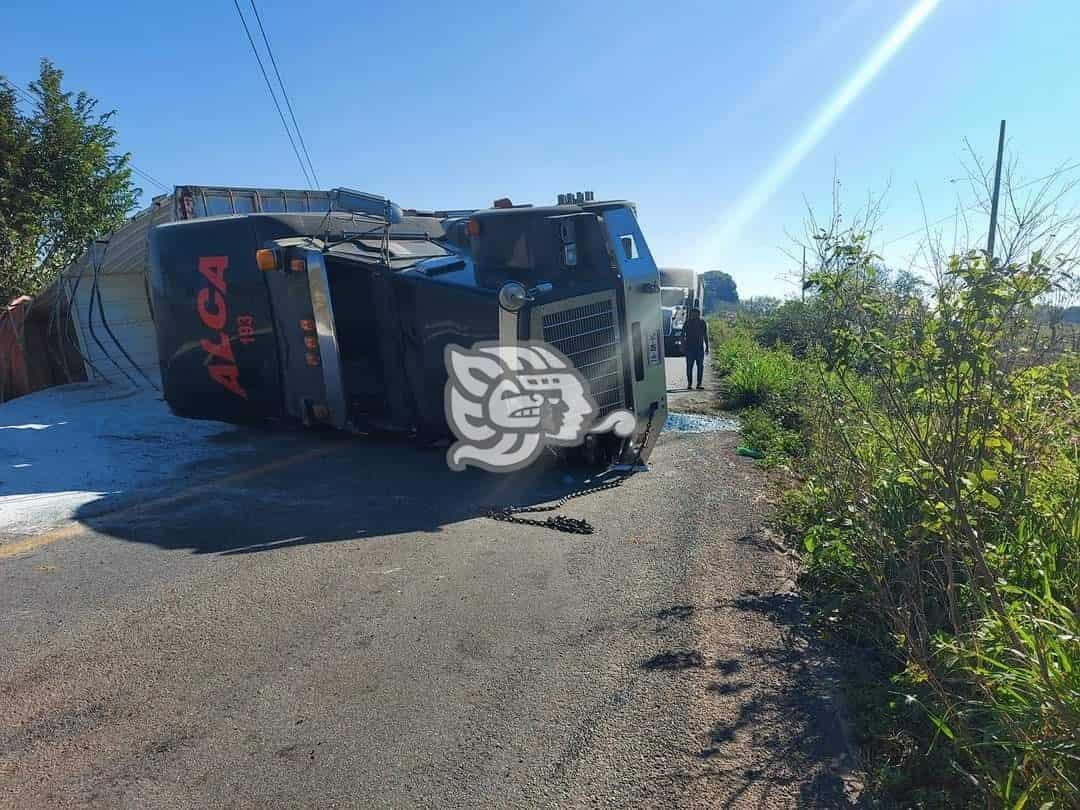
{"x":341,"y":317}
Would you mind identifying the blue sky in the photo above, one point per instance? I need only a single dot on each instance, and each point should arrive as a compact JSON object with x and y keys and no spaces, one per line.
{"x":680,"y":106}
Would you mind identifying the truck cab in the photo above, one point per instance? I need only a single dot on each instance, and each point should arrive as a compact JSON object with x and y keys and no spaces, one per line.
{"x":342,"y":318}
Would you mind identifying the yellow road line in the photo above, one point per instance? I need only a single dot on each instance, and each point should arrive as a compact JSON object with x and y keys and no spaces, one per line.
{"x":27,"y":544}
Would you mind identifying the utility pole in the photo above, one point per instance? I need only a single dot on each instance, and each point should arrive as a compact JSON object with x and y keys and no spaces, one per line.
{"x":802,"y":286}
{"x":994,"y":198}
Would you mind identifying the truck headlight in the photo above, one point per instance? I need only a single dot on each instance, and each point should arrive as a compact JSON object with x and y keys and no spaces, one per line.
{"x":512,"y":296}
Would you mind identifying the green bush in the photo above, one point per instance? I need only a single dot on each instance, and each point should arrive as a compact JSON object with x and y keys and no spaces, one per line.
{"x":795,"y":324}
{"x":940,"y":521}
{"x":938,"y":513}
{"x":938,"y":517}
{"x":762,"y":430}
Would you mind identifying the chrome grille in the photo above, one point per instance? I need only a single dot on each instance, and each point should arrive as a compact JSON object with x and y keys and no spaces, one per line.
{"x":589,"y":336}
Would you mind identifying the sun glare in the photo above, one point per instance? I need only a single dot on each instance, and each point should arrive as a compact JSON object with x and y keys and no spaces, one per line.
{"x":726,"y":232}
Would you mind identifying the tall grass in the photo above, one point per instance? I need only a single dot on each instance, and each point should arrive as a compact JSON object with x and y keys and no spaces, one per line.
{"x":938,"y":519}
{"x":763,"y":384}
{"x":730,"y":346}
{"x":759,"y":379}
{"x":750,"y":375}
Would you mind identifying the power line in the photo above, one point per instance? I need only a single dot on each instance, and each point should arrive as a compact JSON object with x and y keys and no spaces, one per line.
{"x":285,"y":94}
{"x":149,"y":177}
{"x":273,"y":96}
{"x":974,"y":206}
{"x":23,"y":93}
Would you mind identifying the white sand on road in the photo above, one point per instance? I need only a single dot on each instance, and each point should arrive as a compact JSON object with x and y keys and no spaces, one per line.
{"x":65,"y":447}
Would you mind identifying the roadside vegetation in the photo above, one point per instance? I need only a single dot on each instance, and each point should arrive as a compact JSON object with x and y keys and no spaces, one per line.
{"x":62,"y":182}
{"x":928,"y":438}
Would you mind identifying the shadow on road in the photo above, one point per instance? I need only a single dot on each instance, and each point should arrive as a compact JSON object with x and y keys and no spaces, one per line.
{"x":318,"y":488}
{"x":789,"y":720}
{"x":799,"y":702}
{"x":674,"y":661}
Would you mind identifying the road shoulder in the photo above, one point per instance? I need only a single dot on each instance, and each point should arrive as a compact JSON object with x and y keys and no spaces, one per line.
{"x":769,"y":723}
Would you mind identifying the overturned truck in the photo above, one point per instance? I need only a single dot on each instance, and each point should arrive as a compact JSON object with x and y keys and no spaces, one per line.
{"x":342,"y":317}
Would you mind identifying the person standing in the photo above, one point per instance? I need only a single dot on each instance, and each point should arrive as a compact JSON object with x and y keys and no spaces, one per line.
{"x":696,"y":343}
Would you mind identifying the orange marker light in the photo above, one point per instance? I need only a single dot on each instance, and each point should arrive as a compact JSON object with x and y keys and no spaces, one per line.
{"x":473,"y":228}
{"x":307,"y":326}
{"x":298,"y":265}
{"x":266,"y":259}
{"x":311,"y":342}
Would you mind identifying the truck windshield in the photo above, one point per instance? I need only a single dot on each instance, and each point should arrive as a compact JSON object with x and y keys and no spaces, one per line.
{"x":672,"y":296}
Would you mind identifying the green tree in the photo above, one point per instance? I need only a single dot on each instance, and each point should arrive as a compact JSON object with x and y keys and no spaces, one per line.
{"x":61,"y":182}
{"x":720,"y":286}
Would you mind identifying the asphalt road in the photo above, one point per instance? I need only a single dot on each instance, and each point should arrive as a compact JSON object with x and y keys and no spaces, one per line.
{"x":675,"y":370}
{"x":689,"y":400}
{"x":326,"y":622}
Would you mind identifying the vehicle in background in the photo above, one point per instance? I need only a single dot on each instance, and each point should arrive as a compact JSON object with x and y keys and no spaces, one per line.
{"x":673,"y":304}
{"x":680,"y":290}
{"x":340,"y":315}
{"x":688,"y":279}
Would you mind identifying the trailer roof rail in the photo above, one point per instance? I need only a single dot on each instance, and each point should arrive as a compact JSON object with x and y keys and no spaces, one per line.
{"x":360,"y":202}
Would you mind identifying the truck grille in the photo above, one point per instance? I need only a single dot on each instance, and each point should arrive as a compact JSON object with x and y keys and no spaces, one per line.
{"x":589,"y":336}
